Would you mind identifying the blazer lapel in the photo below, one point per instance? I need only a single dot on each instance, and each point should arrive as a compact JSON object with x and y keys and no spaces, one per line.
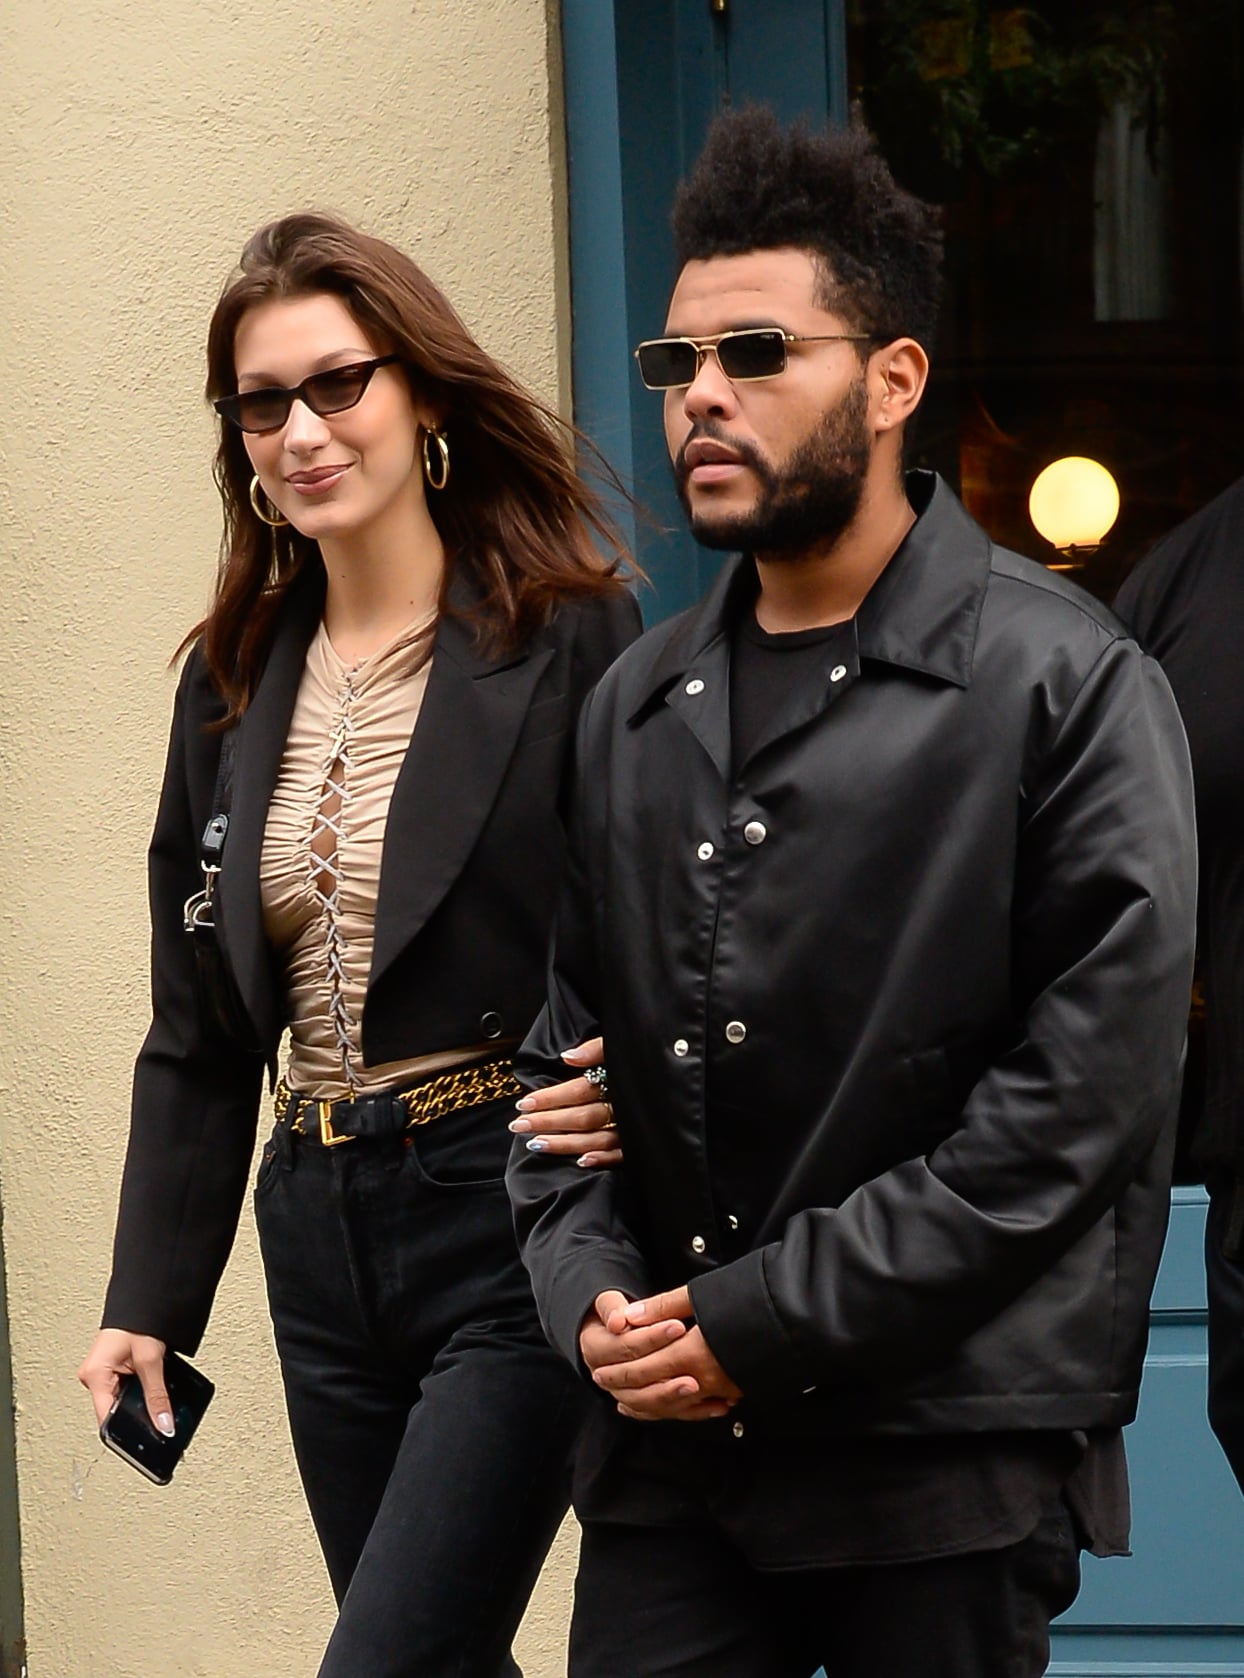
{"x":262,"y":734}
{"x":468,"y":724}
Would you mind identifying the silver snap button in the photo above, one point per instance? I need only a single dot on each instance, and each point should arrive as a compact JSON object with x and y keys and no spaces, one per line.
{"x":838,"y":672}
{"x":698,"y":1243}
{"x":737,"y":1430}
{"x":705,"y":851}
{"x":695,"y":685}
{"x":732,"y":1221}
{"x":736,"y":1031}
{"x":681,"y":1046}
{"x":755,"y":833}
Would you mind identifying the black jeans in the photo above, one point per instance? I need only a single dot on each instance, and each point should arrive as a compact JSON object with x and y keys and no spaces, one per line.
{"x":656,"y":1602}
{"x":1224,"y":1286}
{"x":431,"y":1421}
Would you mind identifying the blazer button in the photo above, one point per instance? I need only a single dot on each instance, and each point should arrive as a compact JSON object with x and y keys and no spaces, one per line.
{"x":490,"y":1024}
{"x":736,"y":1031}
{"x":698,"y":1243}
{"x":755,"y":833}
{"x":737,"y":1430}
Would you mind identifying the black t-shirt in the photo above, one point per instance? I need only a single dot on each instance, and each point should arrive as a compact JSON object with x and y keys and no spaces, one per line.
{"x":1185,"y":604}
{"x":765,"y":669}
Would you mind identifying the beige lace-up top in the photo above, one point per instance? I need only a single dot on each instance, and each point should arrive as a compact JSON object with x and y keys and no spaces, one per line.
{"x":320,"y":866}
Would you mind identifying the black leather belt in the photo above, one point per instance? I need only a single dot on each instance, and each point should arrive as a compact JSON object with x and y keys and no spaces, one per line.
{"x":390,"y":1112}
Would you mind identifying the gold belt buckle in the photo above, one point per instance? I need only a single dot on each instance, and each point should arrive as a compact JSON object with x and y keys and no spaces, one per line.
{"x":328,"y":1136}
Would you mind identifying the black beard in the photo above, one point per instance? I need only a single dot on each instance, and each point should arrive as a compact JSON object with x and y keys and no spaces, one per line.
{"x":811,"y":499}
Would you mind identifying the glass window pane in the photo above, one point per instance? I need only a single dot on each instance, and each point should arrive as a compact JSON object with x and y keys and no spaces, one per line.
{"x":1089,"y":162}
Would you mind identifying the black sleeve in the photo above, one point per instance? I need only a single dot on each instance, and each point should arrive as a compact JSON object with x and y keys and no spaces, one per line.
{"x":571,"y":1223}
{"x":195,"y":1100}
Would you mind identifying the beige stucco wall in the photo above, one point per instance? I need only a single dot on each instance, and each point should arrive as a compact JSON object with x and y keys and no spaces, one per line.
{"x":139,"y":145}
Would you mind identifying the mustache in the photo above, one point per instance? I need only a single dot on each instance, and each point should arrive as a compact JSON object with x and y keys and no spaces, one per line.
{"x":709,"y":432}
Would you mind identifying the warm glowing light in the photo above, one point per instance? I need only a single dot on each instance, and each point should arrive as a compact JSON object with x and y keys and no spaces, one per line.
{"x":1073,"y":503}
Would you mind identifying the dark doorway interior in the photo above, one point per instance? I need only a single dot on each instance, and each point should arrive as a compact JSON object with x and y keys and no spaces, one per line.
{"x":1089,"y":161}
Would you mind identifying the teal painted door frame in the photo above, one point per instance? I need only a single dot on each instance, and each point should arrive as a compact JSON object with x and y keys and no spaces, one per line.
{"x":643,"y":79}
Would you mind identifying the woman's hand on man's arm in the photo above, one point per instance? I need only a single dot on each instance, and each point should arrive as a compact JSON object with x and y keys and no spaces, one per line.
{"x":573,"y":1118}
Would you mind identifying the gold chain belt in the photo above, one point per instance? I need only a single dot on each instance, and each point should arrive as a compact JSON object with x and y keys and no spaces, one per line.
{"x":447,"y":1092}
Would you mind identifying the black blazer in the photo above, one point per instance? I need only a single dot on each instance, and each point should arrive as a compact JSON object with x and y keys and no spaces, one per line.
{"x":471,"y":860}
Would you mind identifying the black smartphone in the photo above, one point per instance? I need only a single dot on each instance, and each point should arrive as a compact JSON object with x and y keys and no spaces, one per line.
{"x":129,"y":1431}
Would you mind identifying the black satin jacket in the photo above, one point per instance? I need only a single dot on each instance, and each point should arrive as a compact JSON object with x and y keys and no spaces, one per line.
{"x":894,"y":1010}
{"x":469,"y":872}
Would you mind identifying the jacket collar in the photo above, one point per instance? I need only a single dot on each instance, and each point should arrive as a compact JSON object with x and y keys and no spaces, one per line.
{"x":922,"y":613}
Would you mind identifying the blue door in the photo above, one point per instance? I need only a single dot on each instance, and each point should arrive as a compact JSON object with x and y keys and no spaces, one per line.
{"x":643,"y":78}
{"x":1178,"y":1605}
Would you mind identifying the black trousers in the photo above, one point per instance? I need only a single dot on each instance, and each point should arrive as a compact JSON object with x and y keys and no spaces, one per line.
{"x":432,"y":1423}
{"x":679,"y":1603}
{"x":1224,"y":1284}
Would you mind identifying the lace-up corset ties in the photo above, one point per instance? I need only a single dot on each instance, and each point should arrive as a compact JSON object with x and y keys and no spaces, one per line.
{"x":320,"y":869}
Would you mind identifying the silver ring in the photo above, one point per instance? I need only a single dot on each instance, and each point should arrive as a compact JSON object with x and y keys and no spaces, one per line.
{"x":599,"y":1080}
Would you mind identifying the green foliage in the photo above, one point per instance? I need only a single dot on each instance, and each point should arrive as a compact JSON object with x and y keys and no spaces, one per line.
{"x":996,"y":87}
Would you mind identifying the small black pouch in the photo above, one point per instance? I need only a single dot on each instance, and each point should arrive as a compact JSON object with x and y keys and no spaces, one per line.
{"x":222,"y":1013}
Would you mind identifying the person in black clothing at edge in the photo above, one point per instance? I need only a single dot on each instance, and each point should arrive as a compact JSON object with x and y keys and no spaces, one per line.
{"x":881,"y":890}
{"x":1185,"y":604}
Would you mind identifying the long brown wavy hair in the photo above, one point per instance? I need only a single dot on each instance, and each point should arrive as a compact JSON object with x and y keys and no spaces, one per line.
{"x":515,"y":510}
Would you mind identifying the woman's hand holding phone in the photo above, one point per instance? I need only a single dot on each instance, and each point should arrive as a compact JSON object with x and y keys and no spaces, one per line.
{"x":116,"y":1353}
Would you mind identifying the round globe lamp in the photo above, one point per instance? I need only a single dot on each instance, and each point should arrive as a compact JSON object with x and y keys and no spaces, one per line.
{"x":1073,"y":503}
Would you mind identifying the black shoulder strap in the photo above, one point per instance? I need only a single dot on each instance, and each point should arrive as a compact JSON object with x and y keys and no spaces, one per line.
{"x":222,"y":798}
{"x":212,"y":845}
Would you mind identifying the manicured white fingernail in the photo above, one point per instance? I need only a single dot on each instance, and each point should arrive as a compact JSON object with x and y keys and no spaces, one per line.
{"x":165,"y":1424}
{"x":520,"y":1127}
{"x":537,"y":1145}
{"x":525,"y":1103}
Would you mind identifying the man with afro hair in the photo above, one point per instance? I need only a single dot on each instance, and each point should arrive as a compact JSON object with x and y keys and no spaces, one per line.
{"x":881,"y":892}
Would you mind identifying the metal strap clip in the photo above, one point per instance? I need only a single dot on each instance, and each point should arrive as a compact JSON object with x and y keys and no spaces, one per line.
{"x":197,"y":914}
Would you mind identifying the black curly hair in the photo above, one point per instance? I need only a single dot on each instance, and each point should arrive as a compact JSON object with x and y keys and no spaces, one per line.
{"x":758,"y":185}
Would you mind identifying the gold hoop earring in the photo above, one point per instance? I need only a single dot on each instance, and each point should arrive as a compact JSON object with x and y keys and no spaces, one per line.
{"x":435,"y":481}
{"x":256,"y":492}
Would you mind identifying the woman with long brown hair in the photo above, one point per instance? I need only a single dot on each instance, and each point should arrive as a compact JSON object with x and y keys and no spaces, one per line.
{"x":409,"y":611}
